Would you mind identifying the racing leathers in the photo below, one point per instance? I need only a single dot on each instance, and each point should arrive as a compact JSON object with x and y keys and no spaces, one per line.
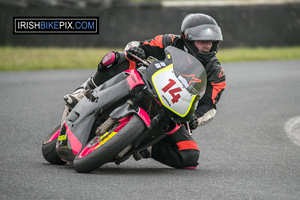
{"x":178,"y":149}
{"x":216,"y":84}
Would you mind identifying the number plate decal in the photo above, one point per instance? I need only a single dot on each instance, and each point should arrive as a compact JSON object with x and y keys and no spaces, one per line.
{"x":171,"y":92}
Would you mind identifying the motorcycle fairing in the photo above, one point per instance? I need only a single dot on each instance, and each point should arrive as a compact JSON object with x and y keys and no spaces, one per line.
{"x":54,"y":136}
{"x":76,"y":145}
{"x":79,"y":122}
{"x":134,"y":78}
{"x":171,"y":92}
{"x":128,"y":109}
{"x":144,"y":116}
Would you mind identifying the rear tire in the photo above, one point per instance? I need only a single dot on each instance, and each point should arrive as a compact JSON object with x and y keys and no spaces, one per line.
{"x":101,"y":150}
{"x":49,"y":149}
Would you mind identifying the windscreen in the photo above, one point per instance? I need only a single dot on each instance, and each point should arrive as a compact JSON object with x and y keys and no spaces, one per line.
{"x":189,"y":71}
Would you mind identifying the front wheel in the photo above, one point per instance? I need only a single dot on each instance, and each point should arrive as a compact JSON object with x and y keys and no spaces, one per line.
{"x":49,"y":148}
{"x":102,"y":149}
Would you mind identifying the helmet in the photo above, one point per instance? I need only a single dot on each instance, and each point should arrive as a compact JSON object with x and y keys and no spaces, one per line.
{"x":200,"y":27}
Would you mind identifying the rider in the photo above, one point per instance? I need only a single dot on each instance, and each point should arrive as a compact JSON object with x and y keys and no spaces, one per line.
{"x":200,"y":36}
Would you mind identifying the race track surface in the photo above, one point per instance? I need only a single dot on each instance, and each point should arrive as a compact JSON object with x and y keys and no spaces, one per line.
{"x":245,"y":151}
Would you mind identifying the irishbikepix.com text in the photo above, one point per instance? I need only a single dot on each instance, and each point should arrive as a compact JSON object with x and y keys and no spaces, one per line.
{"x":56,"y":25}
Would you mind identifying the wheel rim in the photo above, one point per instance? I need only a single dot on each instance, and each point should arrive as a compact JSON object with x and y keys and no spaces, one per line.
{"x":98,"y":141}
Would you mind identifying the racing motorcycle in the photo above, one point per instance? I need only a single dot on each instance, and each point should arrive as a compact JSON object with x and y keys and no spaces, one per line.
{"x":128,"y":113}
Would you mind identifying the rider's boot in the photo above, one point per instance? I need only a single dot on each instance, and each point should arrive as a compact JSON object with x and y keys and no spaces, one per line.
{"x":72,"y":99}
{"x":102,"y":75}
{"x":108,"y":67}
{"x":146,"y":153}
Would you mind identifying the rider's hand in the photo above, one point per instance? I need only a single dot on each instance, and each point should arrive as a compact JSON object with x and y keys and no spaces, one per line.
{"x":138,"y":51}
{"x":193,"y":123}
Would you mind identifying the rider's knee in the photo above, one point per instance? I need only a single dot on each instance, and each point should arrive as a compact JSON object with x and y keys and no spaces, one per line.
{"x":109,"y":60}
{"x":189,"y":159}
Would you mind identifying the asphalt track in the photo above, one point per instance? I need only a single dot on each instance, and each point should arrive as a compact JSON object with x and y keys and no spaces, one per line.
{"x":245,"y":151}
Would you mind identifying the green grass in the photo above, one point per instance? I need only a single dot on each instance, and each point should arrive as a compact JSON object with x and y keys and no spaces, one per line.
{"x":259,"y":54}
{"x":24,"y":58}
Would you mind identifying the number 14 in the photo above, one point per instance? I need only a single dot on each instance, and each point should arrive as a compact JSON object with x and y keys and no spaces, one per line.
{"x":172,"y":91}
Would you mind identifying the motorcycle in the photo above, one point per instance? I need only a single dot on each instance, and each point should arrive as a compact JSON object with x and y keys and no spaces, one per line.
{"x":128,"y":113}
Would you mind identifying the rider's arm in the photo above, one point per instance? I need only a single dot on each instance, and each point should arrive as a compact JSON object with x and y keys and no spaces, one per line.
{"x":155,"y":47}
{"x":152,"y":47}
{"x":216,"y":83}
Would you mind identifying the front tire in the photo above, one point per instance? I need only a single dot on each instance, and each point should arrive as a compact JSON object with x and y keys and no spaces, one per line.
{"x":49,"y":148}
{"x":103,"y":149}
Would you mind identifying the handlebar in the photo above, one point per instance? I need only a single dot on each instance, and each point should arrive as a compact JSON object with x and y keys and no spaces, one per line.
{"x":144,"y":62}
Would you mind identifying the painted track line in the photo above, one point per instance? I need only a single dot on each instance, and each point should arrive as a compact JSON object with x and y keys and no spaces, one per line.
{"x":292,"y":129}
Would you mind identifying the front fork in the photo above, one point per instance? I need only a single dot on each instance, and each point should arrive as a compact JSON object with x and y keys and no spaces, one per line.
{"x":188,"y":128}
{"x":65,"y":114}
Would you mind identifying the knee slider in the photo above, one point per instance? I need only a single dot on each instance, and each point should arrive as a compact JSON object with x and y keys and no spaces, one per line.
{"x":190,"y":158}
{"x":108,"y":60}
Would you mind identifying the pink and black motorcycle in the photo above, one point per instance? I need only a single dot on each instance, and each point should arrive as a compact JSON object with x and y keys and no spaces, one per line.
{"x":127,"y":113}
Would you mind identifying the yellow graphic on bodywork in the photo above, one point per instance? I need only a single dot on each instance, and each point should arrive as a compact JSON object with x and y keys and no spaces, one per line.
{"x":104,"y":138}
{"x":62,"y":137}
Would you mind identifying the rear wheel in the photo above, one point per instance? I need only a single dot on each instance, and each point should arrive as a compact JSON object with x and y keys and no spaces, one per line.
{"x":49,"y":148}
{"x":102,"y":149}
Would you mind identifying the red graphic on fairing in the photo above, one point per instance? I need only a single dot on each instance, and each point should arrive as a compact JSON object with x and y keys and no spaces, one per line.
{"x":54,"y":136}
{"x":191,"y":78}
{"x":172,"y":91}
{"x":144,"y":116}
{"x":75,"y":143}
{"x":134,"y":78}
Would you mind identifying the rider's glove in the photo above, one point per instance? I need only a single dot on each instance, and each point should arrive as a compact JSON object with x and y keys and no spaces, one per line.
{"x":138,"y":51}
{"x":207,"y":117}
{"x":193,"y":123}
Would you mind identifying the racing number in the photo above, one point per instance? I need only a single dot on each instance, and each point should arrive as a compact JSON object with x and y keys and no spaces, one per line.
{"x":172,"y":91}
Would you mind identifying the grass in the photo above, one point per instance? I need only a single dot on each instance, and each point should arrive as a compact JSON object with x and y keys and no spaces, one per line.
{"x":259,"y":54}
{"x":24,"y":58}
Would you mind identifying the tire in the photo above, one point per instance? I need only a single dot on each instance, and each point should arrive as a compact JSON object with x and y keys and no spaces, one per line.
{"x":49,"y":148}
{"x":102,"y":149}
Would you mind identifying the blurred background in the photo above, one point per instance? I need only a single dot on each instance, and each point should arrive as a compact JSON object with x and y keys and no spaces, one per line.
{"x":256,"y":23}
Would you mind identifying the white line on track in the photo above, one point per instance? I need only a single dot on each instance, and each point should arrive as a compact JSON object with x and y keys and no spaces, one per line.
{"x":292,"y":129}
